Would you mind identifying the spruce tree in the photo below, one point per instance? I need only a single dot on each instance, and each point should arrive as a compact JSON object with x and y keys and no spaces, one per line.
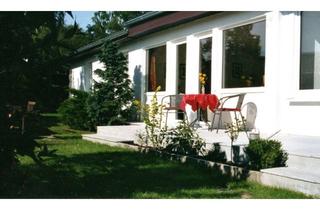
{"x":112,"y":96}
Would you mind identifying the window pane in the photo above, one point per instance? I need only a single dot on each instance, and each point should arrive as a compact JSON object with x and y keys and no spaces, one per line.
{"x":205,"y":62}
{"x":244,"y":56}
{"x":181,"y":58}
{"x":310,"y":51}
{"x":157,"y":68}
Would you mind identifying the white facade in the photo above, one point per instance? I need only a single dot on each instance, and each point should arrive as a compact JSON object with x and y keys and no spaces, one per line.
{"x":82,"y":74}
{"x":281,"y":105}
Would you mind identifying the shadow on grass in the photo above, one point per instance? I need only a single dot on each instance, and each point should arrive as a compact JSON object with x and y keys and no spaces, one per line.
{"x":119,"y":174}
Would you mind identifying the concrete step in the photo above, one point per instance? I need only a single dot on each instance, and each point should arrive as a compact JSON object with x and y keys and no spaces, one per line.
{"x":293,"y":178}
{"x":306,"y":163}
{"x":120,"y":132}
{"x":105,"y":138}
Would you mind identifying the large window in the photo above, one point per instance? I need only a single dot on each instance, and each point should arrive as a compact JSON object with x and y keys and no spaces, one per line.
{"x":205,"y":61}
{"x":310,"y":51}
{"x":157,"y":68}
{"x":244,"y":55}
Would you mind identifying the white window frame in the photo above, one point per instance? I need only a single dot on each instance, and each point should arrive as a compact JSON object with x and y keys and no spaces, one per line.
{"x":176,"y":44}
{"x":300,"y":95}
{"x":221,"y":56}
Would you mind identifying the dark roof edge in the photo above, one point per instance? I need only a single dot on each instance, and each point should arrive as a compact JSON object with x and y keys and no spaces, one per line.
{"x":94,"y":47}
{"x":113,"y":36}
{"x":145,"y":17}
{"x":205,"y":14}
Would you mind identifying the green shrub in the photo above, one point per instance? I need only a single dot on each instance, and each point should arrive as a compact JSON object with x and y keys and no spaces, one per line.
{"x":73,"y":111}
{"x":263,"y":153}
{"x":183,"y":140}
{"x":216,"y":155}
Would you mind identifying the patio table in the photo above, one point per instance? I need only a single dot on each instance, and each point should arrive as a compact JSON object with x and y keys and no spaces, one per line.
{"x":199,"y":101}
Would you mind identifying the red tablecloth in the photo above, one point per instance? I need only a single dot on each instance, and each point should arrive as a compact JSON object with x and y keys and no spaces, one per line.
{"x":199,"y":101}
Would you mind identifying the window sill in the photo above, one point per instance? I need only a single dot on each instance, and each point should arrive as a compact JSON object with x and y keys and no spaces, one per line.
{"x":305,"y":96}
{"x":161,"y":93}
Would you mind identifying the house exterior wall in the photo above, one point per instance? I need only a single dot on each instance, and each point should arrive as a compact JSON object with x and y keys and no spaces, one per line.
{"x":82,"y":73}
{"x":280,"y":103}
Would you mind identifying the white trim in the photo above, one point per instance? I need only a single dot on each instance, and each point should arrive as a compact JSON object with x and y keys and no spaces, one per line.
{"x":155,"y":46}
{"x":243,"y":90}
{"x":244,"y":22}
{"x":179,"y":41}
{"x":203,"y":34}
{"x":300,"y":94}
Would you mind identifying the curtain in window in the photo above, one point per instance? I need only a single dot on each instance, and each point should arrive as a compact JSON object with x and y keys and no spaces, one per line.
{"x":153,"y":74}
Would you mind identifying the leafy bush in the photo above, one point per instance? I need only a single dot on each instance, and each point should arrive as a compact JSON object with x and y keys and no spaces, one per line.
{"x":73,"y":111}
{"x":263,"y":153}
{"x":183,"y":140}
{"x":216,"y":155}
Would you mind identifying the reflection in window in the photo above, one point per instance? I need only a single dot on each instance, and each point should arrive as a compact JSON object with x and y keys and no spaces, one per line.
{"x":244,"y":56}
{"x":205,"y":62}
{"x":181,"y":62}
{"x":310,"y":51}
{"x":157,"y":68}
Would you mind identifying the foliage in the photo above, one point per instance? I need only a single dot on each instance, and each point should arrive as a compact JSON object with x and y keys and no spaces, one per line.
{"x":105,"y":23}
{"x":151,"y":118}
{"x":233,"y":129}
{"x":183,"y":140}
{"x":73,"y":110}
{"x":263,"y":153}
{"x":112,"y":97}
{"x":216,"y":155}
{"x":34,"y":47}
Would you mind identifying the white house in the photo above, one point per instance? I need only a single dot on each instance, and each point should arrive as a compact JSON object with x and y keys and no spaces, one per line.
{"x":273,"y":57}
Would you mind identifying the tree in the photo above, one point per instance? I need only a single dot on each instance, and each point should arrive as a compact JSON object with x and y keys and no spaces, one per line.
{"x":111,"y":98}
{"x":105,"y":23}
{"x":34,"y":47}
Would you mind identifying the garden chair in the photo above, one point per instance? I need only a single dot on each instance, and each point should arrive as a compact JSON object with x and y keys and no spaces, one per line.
{"x":171,"y":103}
{"x":219,"y":110}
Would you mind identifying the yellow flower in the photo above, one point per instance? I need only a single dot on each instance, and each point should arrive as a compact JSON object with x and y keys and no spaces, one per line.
{"x":202,"y":78}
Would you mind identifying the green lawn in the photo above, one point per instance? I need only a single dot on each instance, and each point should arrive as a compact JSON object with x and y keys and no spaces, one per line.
{"x":81,"y":169}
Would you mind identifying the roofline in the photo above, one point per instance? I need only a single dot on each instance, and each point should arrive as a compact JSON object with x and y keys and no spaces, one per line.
{"x":113,"y":36}
{"x":145,"y":17}
{"x":205,"y":14}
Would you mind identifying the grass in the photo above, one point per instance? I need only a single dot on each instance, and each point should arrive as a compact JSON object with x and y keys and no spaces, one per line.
{"x":81,"y":169}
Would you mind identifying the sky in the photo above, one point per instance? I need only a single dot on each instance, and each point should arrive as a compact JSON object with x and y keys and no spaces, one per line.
{"x":83,"y":18}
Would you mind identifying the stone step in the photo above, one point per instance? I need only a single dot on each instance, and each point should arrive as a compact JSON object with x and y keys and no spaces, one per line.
{"x":105,"y":138}
{"x":293,"y":178}
{"x":300,"y":162}
{"x":128,"y":132}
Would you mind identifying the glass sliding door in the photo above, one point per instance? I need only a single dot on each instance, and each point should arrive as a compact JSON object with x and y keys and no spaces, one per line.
{"x":205,"y":63}
{"x":181,"y":68}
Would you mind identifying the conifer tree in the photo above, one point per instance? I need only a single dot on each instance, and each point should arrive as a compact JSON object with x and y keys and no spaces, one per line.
{"x":112,"y":96}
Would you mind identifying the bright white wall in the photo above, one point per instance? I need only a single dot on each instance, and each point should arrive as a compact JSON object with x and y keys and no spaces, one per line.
{"x":299,"y":109}
{"x":96,"y":65}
